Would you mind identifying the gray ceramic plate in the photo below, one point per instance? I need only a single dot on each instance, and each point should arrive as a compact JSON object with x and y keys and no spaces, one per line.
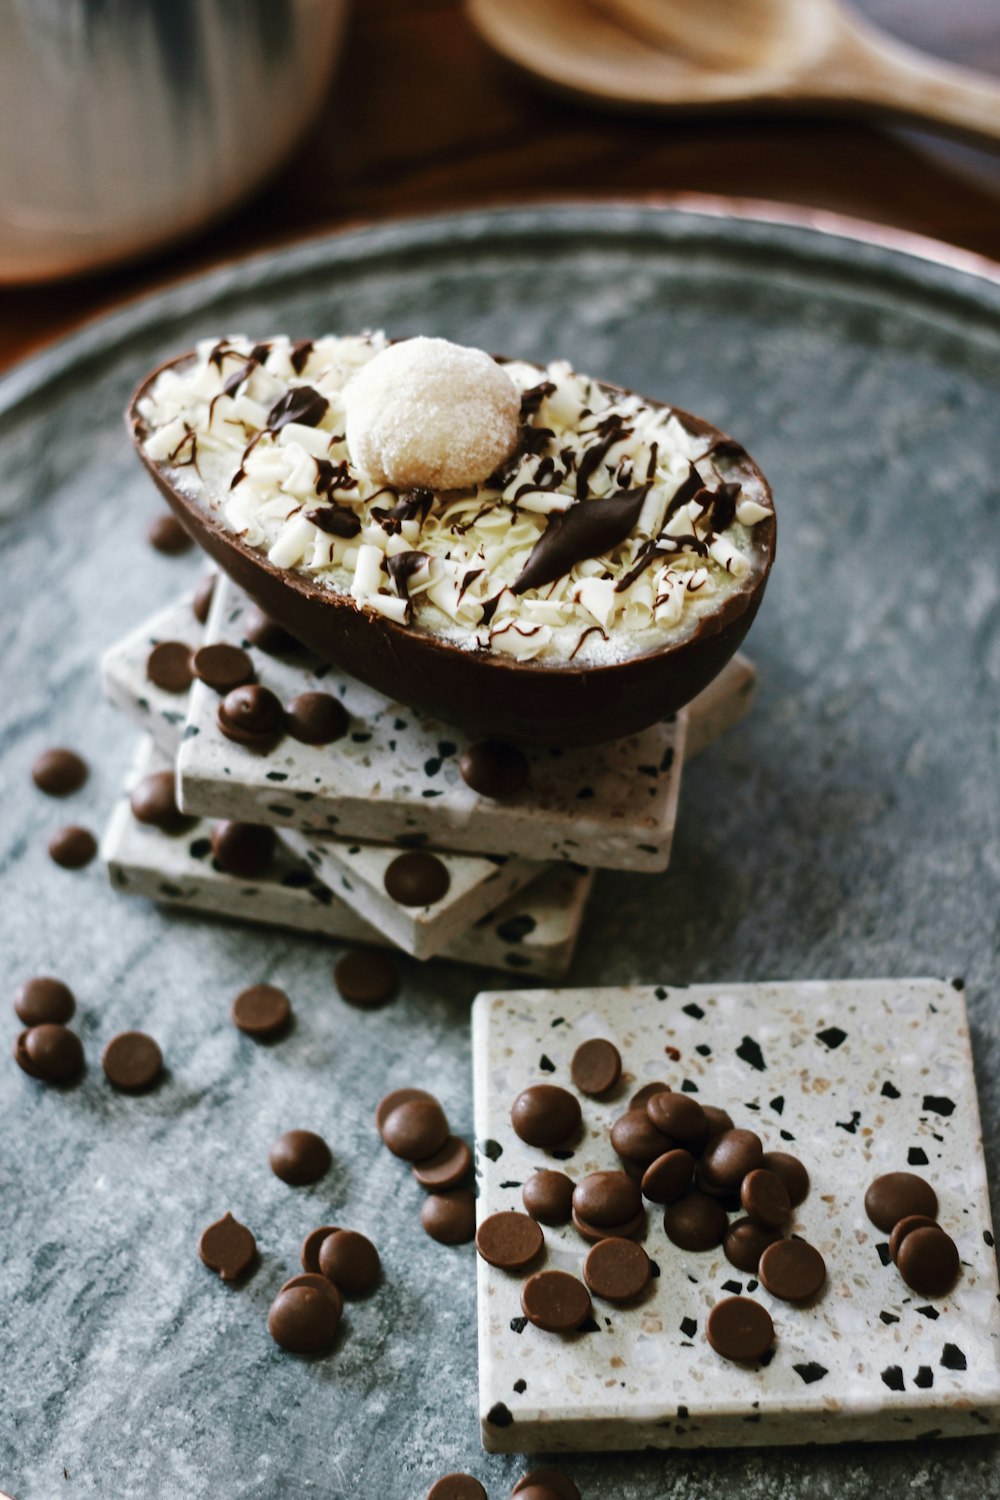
{"x":850,"y":828}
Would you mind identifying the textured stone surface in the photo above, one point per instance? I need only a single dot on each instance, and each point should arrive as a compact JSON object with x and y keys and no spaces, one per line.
{"x":159,"y":714}
{"x":848,"y":826}
{"x":857,"y":1078}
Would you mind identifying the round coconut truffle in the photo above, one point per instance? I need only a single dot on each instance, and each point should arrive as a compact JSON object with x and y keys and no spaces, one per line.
{"x":429,"y":414}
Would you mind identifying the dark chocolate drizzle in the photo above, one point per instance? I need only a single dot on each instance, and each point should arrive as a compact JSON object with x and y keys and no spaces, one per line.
{"x":533,"y":398}
{"x":585,"y":530}
{"x":589,"y":631}
{"x":301,"y":404}
{"x":335,"y":520}
{"x":721,"y":511}
{"x":331,"y":476}
{"x":687,"y":490}
{"x":299,"y":355}
{"x":611,"y":431}
{"x":401,"y":569}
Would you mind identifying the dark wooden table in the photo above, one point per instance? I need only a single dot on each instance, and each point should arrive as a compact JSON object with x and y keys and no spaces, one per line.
{"x":421,"y":118}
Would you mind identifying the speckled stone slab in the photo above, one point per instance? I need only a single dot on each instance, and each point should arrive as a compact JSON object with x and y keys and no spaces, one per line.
{"x":533,"y":933}
{"x":857,"y":1078}
{"x":159,"y":714}
{"x":395,"y":775}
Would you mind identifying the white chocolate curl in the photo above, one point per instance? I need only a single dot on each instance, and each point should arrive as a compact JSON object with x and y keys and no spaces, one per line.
{"x":429,"y":414}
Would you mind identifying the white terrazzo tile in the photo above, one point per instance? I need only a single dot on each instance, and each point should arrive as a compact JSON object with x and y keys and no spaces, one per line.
{"x":533,"y":933}
{"x":124,"y":682}
{"x":856,"y":1077}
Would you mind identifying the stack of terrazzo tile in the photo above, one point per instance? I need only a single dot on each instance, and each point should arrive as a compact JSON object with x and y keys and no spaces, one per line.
{"x":519,"y":869}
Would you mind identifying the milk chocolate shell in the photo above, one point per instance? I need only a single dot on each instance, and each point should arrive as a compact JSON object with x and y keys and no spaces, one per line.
{"x":488,"y":696}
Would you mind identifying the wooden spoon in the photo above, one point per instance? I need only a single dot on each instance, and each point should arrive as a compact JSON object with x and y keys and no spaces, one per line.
{"x":666,"y":55}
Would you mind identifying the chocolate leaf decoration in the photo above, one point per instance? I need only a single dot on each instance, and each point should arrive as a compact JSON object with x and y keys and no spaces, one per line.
{"x":300,"y":404}
{"x":589,"y":528}
{"x":335,"y":520}
{"x":722,"y":506}
{"x":686,"y":491}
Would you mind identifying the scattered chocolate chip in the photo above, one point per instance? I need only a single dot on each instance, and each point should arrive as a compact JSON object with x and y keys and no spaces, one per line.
{"x":132,"y":1062}
{"x":222,"y":667}
{"x":267,"y":635}
{"x":596,"y":1066}
{"x":57,"y":773}
{"x":50,"y":1052}
{"x":72,"y":847}
{"x":897,"y":1195}
{"x":417,"y":878}
{"x":792,"y":1270}
{"x":765,"y":1199}
{"x":617,"y":1270}
{"x":42,"y":1000}
{"x":695,"y":1222}
{"x":548,"y":1197}
{"x":300,"y":1157}
{"x":227,"y":1246}
{"x":309,"y":1254}
{"x":366,"y":977}
{"x":153,"y":801}
{"x":456,"y":1487}
{"x":202,"y":601}
{"x":415,"y":1130}
{"x":555,"y":1301}
{"x":447,"y":1168}
{"x":680,"y":1117}
{"x":509,"y":1240}
{"x":903,"y":1227}
{"x":636,"y":1138}
{"x":558,"y":1486}
{"x":605,"y":1199}
{"x":303,"y":1320}
{"x":316,"y":718}
{"x":596,"y":1232}
{"x":668,"y":1177}
{"x":167,"y":535}
{"x":351,"y":1261}
{"x":642,"y":1098}
{"x":262,"y":1011}
{"x":792,"y":1173}
{"x":168,"y":667}
{"x":450,"y":1218}
{"x":392,"y":1101}
{"x":493,"y":769}
{"x":244,"y":849}
{"x":745,"y":1243}
{"x":545,"y":1115}
{"x":928,"y":1261}
{"x":740,"y":1329}
{"x":321,"y":1284}
{"x":728,"y":1158}
{"x":718,"y":1120}
{"x":251,"y":716}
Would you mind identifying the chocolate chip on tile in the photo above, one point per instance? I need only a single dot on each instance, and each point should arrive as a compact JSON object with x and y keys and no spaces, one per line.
{"x":765,"y":1199}
{"x":668,"y":1177}
{"x":596,"y":1066}
{"x":928,"y":1261}
{"x":640,"y":1099}
{"x":227,"y":1246}
{"x":695,"y":1222}
{"x":896,"y":1195}
{"x":456,"y":1487}
{"x":132,"y":1062}
{"x":417,"y":878}
{"x":366,"y":977}
{"x":351,"y":1260}
{"x":44,"y":999}
{"x":392,"y":1101}
{"x":717,"y":1119}
{"x":548,"y":1197}
{"x":251,"y":716}
{"x":617,"y":1270}
{"x":50,"y":1053}
{"x":318,"y":1283}
{"x":153,"y":801}
{"x":745,"y":1243}
{"x":680,"y":1117}
{"x":202,"y":601}
{"x":636,"y":1138}
{"x":509,"y":1240}
{"x":222,"y":667}
{"x":59,"y":772}
{"x":300,"y":1157}
{"x":262,"y":1011}
{"x":415,"y":1130}
{"x":450,"y":1218}
{"x":728,"y":1158}
{"x":559,"y":1487}
{"x":493,"y":769}
{"x":72,"y":847}
{"x":245,"y":850}
{"x":545,"y":1115}
{"x":316,"y":718}
{"x":555,"y":1301}
{"x":168,"y":667}
{"x":792,"y":1173}
{"x":309,"y":1254}
{"x":740,"y":1329}
{"x":596,"y":1232}
{"x":266,"y":634}
{"x":792,"y":1270}
{"x":605,"y":1199}
{"x":303,"y":1320}
{"x":168,"y":536}
{"x":903,"y":1227}
{"x":447,"y":1168}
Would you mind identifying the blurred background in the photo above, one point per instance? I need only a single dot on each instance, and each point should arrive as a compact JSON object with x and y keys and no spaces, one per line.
{"x":147,"y":141}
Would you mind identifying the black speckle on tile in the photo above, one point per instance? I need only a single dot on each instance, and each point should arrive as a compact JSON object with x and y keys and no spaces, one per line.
{"x":499,"y":1416}
{"x":778,"y":1104}
{"x":735,"y":1288}
{"x":928,"y":1312}
{"x":446,"y":749}
{"x":510,"y":1184}
{"x":689,"y":1086}
{"x":167,"y":888}
{"x":561,"y":1154}
{"x":689,"y":1327}
{"x":520,"y":1386}
{"x":276,"y":776}
{"x":190,"y":730}
{"x":693,"y":1010}
{"x":199,"y":848}
{"x":654,"y":1270}
{"x":559,"y":1021}
{"x":399,"y":723}
{"x":952,"y":1358}
{"x":682,"y":1413}
{"x":297,"y":879}
{"x":988,"y":1238}
{"x":892,"y":1376}
{"x":703,"y":1049}
{"x":648,"y":848}
{"x":546,"y":1064}
{"x":280,"y":810}
{"x":304,"y":796}
{"x":786,"y":1135}
{"x":647,"y":770}
{"x":810,"y":1372}
{"x":518,"y":1325}
{"x":883,"y":1253}
{"x":360,"y":737}
{"x":939,"y":1104}
{"x":924,"y":1377}
{"x":958,"y":984}
{"x":516,"y":929}
{"x":494,"y":859}
{"x":660,"y":992}
{"x":584,"y":793}
{"x":832,"y":1037}
{"x":432,"y":766}
{"x":588,"y":1326}
{"x":430,"y":792}
{"x":850,"y":1125}
{"x":754,"y":1107}
{"x":750,"y":1052}
{"x":752,"y":1284}
{"x":888,"y":1317}
{"x":917,"y":1157}
{"x":492,"y":1150}
{"x":889,"y":1090}
{"x":321,"y":893}
{"x":668,"y":758}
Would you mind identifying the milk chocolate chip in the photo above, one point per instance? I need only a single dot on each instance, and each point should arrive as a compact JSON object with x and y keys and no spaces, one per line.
{"x":50,"y":1053}
{"x":251,"y":716}
{"x":365,"y":977}
{"x":262,"y":1011}
{"x":153,"y":801}
{"x":222,"y":667}
{"x":167,"y":535}
{"x":617,"y":1270}
{"x":493,"y":769}
{"x":450,"y":1218}
{"x":605,"y":1199}
{"x":72,"y":847}
{"x":545,"y":1115}
{"x":227,"y":1246}
{"x":316,"y":718}
{"x":132,"y":1062}
{"x":739,"y":1328}
{"x":42,"y":1000}
{"x":300,"y":1157}
{"x":57,"y":773}
{"x":245,"y":850}
{"x":417,"y":879}
{"x":695,"y":1222}
{"x":202,"y":601}
{"x":895,"y":1196}
{"x":792,"y":1270}
{"x":168,"y":667}
{"x":416,"y":1129}
{"x":303,"y":1320}
{"x":351,"y":1261}
{"x":596,"y":1066}
{"x":555,"y":1301}
{"x":446,"y":1168}
{"x":928,"y":1261}
{"x":267,"y":635}
{"x":456,"y":1487}
{"x":728,"y":1158}
{"x":509,"y":1240}
{"x":548,"y":1197}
